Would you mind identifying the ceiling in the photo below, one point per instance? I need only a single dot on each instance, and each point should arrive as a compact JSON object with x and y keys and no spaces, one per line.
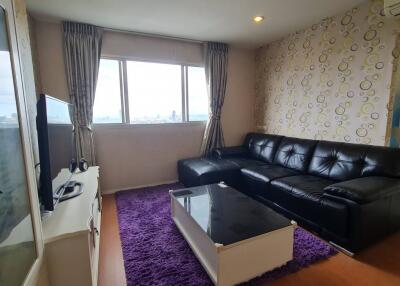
{"x":228,"y":21}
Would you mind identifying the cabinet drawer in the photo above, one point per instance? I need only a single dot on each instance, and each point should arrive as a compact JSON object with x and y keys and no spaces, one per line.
{"x":94,"y":240}
{"x":94,"y":226}
{"x":95,"y":214}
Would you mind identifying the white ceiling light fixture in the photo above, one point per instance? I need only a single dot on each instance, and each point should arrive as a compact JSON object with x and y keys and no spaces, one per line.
{"x":258,"y":19}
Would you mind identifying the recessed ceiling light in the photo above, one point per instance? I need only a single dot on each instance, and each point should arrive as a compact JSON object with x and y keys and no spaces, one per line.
{"x":258,"y":19}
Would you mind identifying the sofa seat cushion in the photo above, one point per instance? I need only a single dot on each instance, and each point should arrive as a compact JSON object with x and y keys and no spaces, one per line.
{"x":203,"y":171}
{"x":255,"y":179}
{"x":303,"y":195}
{"x":299,"y":191}
{"x":267,"y":173}
{"x":364,"y":190}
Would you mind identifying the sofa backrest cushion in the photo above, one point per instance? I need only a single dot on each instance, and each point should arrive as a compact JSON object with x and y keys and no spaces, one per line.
{"x":295,"y":153}
{"x":335,"y":160}
{"x":338,"y":161}
{"x":382,"y":161}
{"x":262,"y":146}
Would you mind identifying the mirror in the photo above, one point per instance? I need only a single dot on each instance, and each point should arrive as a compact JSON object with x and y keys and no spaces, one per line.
{"x":17,"y":244}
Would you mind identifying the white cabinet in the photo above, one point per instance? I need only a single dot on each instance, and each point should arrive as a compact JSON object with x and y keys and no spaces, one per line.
{"x":72,"y":234}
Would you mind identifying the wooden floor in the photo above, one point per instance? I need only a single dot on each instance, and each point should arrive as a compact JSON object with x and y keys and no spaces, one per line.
{"x":377,"y":266}
{"x":111,"y":268}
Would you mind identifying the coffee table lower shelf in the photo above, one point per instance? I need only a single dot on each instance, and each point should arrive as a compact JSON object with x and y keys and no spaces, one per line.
{"x":240,"y":261}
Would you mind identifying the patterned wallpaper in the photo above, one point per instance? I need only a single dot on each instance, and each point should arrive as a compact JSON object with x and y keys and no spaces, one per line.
{"x":330,"y":81}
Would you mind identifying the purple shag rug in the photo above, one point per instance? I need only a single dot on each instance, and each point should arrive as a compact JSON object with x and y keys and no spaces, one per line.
{"x":155,"y":252}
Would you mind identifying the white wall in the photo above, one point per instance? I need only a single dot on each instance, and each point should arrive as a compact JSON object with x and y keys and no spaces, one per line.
{"x":141,"y":155}
{"x":135,"y":155}
{"x":50,"y":58}
{"x":238,"y":110}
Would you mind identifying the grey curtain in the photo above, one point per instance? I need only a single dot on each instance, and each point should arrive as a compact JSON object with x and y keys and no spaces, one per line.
{"x":82,"y":49}
{"x":216,"y":65}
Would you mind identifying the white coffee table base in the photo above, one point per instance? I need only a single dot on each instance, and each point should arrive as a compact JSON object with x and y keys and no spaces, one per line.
{"x":238,"y":262}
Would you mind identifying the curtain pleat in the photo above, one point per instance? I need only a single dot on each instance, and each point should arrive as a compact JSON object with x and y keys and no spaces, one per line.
{"x":216,"y":65}
{"x":82,"y":50}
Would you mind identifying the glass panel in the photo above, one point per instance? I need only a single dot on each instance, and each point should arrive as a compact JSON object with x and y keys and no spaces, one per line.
{"x":197,"y":94}
{"x":226,"y":215}
{"x":57,"y":112}
{"x":155,"y":92}
{"x":17,"y":246}
{"x":107,"y":102}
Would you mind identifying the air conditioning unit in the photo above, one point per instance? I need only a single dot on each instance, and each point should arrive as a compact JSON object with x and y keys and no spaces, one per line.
{"x":392,"y":8}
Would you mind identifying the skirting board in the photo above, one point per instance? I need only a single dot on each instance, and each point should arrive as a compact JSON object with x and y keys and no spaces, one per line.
{"x":113,"y":191}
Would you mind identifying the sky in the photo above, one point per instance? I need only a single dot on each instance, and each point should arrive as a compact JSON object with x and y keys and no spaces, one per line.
{"x":155,"y":93}
{"x":8,"y":108}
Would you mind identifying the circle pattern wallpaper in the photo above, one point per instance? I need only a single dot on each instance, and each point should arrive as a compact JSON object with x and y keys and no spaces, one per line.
{"x":331,"y":81}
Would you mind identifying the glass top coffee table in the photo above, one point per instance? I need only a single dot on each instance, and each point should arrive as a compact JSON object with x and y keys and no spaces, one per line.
{"x":234,"y":237}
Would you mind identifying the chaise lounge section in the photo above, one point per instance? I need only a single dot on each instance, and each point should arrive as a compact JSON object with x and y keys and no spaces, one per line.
{"x":347,"y":193}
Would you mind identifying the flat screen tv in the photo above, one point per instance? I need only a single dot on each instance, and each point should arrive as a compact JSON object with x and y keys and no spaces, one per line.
{"x":55,"y":136}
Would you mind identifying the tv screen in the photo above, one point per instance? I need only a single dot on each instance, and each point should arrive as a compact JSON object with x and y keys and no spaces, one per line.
{"x":55,"y":134}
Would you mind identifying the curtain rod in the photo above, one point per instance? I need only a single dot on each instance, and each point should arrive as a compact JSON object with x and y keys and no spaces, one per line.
{"x":153,"y":35}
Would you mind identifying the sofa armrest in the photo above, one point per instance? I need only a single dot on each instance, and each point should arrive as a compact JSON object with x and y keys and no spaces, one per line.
{"x":364,"y":190}
{"x":237,"y":151}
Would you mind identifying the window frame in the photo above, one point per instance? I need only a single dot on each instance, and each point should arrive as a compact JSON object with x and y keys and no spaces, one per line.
{"x":124,"y":92}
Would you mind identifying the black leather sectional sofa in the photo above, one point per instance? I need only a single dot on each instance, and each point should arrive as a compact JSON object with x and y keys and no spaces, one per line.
{"x":347,"y":193}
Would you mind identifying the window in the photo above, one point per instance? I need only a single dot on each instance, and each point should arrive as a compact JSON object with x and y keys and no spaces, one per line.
{"x":107,"y":102}
{"x":197,"y":94}
{"x":144,"y":93}
{"x":155,"y":92}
